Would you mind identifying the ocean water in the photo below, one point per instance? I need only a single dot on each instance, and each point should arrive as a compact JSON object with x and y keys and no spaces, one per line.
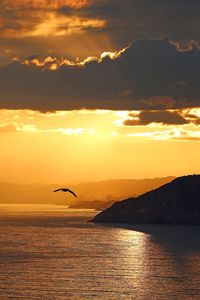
{"x":54,"y":253}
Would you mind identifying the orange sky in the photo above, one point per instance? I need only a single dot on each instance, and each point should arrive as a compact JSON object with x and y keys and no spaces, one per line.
{"x":80,"y":146}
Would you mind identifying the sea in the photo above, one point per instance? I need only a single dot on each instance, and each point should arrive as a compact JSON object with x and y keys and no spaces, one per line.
{"x":52,"y":252}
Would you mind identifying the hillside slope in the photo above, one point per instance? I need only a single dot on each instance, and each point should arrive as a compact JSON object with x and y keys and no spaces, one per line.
{"x":177,"y":202}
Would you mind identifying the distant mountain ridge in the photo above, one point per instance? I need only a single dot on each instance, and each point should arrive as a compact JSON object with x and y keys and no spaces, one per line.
{"x":177,"y":202}
{"x":98,"y":193}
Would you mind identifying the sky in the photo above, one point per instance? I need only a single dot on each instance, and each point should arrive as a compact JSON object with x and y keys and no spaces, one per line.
{"x":93,"y":90}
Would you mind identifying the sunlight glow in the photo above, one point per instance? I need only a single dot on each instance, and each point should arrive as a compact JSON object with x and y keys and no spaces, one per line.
{"x":63,"y":25}
{"x":53,"y":24}
{"x":91,"y":140}
{"x":113,"y":55}
{"x":54,"y":63}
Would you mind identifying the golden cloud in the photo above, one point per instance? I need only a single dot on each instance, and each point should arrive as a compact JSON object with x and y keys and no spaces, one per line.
{"x":20,"y":19}
{"x":51,"y":24}
{"x":44,"y":4}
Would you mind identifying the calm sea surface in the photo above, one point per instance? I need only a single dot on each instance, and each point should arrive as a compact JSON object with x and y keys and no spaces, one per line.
{"x":54,"y":253}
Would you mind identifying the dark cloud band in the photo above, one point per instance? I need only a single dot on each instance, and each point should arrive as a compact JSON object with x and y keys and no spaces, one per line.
{"x":149,"y":74}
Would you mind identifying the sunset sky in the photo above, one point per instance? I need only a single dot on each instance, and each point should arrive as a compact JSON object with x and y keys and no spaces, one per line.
{"x":93,"y":90}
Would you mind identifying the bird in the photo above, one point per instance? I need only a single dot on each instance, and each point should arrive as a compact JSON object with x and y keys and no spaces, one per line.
{"x":66,"y":190}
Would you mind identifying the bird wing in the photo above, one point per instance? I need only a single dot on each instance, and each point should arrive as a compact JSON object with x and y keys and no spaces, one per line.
{"x":57,"y":190}
{"x":72,"y":193}
{"x":66,"y":190}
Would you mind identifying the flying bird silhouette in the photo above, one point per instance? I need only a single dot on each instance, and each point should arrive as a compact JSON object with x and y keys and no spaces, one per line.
{"x":66,"y":190}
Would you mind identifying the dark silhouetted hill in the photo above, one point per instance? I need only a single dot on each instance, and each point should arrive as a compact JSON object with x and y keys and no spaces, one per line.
{"x":177,"y":202}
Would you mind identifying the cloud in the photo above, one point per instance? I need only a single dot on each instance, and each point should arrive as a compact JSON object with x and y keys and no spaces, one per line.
{"x":193,"y":115}
{"x":32,"y":128}
{"x":126,"y":20}
{"x":151,"y":74}
{"x":39,"y":18}
{"x":163,"y":117}
{"x":171,"y":135}
{"x":36,"y":27}
{"x":132,"y":19}
{"x":85,"y":27}
{"x":43,"y":4}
